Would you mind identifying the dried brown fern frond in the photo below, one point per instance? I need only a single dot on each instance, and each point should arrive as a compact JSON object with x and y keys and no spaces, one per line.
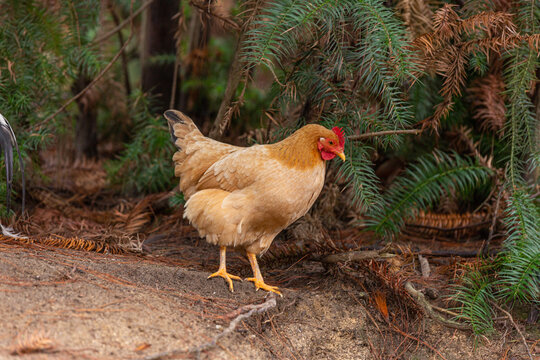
{"x":446,"y":23}
{"x":455,"y":225}
{"x":488,"y":101}
{"x":448,"y":202}
{"x":74,"y":243}
{"x":417,"y":16}
{"x":461,"y":140}
{"x":451,"y":66}
{"x":447,"y":49}
{"x":31,"y":343}
{"x":140,"y":215}
{"x":492,"y":23}
{"x":441,"y":111}
{"x":516,"y":40}
{"x":476,"y":6}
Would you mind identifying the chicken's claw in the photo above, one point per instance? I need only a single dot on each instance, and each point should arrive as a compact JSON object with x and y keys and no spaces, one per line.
{"x":262,"y":285}
{"x":228,"y":277}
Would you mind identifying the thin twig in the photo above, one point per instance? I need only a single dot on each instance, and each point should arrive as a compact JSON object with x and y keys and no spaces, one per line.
{"x":356,"y":256}
{"x":399,"y":331}
{"x":382,"y":133}
{"x":125,"y":70}
{"x":204,"y":9}
{"x":253,"y":309}
{"x":177,"y":37}
{"x":96,"y":79}
{"x":236,"y":74}
{"x":119,"y":27}
{"x":421,"y":301}
{"x":443,"y":310}
{"x":174,"y":82}
{"x":485,"y":247}
{"x":517,"y":329}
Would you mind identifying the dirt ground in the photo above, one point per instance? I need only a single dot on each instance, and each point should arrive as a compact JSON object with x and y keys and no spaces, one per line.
{"x":83,"y":305}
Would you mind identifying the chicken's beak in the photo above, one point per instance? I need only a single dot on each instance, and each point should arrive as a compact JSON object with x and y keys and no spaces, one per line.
{"x":341,"y":155}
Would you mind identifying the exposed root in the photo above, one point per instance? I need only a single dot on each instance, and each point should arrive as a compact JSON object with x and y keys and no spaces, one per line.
{"x":357,"y":256}
{"x":421,"y":301}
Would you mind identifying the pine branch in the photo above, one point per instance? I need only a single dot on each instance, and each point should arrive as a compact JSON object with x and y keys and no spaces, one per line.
{"x":521,"y":120}
{"x":422,"y":185}
{"x":95,"y":80}
{"x":448,"y":48}
{"x":205,"y":10}
{"x":475,"y":296}
{"x":123,"y":24}
{"x":384,"y":133}
{"x":237,"y":73}
{"x":488,"y":102}
{"x":360,"y":176}
{"x":520,"y":259}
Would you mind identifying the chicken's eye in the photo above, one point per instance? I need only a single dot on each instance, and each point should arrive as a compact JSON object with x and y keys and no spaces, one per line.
{"x":331,"y":142}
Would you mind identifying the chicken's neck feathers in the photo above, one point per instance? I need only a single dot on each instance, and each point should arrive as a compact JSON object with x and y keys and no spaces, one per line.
{"x":300,"y":149}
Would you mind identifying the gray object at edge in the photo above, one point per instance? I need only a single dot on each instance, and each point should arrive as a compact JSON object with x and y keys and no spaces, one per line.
{"x":8,"y":142}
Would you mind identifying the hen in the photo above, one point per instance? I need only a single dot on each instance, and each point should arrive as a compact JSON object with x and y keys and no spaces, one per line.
{"x":243,"y":197}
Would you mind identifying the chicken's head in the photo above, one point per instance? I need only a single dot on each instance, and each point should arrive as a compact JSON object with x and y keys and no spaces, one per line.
{"x":332,"y":146}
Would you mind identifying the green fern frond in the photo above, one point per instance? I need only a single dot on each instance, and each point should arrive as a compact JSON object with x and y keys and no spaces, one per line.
{"x":475,"y":297}
{"x":275,"y":31}
{"x":177,"y":199}
{"x":519,"y":275}
{"x":422,"y":185}
{"x":145,"y":164}
{"x":528,"y":16}
{"x":359,"y":173}
{"x":321,"y":48}
{"x":384,"y":58}
{"x":521,"y":125}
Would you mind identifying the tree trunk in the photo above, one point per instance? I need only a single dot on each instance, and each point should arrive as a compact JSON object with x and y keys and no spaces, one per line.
{"x":198,"y":33}
{"x":158,"y":39}
{"x":86,"y":127}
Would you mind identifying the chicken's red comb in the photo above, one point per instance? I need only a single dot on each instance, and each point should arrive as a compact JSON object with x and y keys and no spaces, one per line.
{"x":341,"y":136}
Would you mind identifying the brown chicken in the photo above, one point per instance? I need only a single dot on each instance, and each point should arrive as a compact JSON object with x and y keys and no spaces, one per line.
{"x":243,"y":197}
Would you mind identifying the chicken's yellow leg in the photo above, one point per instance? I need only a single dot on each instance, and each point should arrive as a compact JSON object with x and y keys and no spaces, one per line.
{"x":258,"y":279}
{"x":222,"y":271}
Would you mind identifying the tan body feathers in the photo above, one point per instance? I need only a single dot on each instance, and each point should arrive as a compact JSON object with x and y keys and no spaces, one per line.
{"x":243,"y":197}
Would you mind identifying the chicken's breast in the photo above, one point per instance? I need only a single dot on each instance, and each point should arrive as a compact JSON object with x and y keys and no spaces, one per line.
{"x":247,"y":197}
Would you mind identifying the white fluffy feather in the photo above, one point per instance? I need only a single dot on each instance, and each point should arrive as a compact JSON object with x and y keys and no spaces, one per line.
{"x":8,"y":231}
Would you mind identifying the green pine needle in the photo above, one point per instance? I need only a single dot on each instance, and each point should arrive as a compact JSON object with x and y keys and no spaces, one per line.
{"x":519,"y":274}
{"x":422,"y":185}
{"x":475,"y":297}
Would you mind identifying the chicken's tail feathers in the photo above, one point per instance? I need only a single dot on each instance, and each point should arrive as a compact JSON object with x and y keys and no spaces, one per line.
{"x":179,"y":125}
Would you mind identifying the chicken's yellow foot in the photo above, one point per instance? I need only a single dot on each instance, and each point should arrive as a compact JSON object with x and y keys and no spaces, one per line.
{"x":260,"y":284}
{"x":258,"y":280}
{"x":222,"y":272}
{"x":228,"y":277}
